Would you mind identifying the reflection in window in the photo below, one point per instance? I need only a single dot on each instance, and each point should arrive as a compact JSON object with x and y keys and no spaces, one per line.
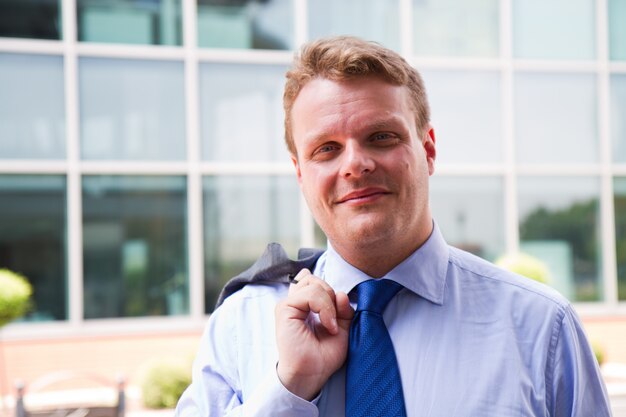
{"x":466,"y":115}
{"x":470,"y":213}
{"x":556,"y":29}
{"x":132,"y":109}
{"x":618,"y":121}
{"x":373,"y":20}
{"x":620,"y":234}
{"x":617,"y":29}
{"x":556,"y":118}
{"x":559,"y":223}
{"x":135,"y":246}
{"x":242,"y":115}
{"x":241,"y":216}
{"x":245,"y":24}
{"x":32,"y":107}
{"x":33,"y":239}
{"x":35,"y":19}
{"x":456,"y":27}
{"x":154,"y":22}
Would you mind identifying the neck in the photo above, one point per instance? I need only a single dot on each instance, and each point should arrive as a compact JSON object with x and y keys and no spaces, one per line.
{"x":376,"y":259}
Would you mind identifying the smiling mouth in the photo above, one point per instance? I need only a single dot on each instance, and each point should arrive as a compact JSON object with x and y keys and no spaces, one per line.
{"x":363,"y":196}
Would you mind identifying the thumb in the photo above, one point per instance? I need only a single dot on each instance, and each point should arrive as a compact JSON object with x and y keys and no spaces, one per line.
{"x":345,"y":313}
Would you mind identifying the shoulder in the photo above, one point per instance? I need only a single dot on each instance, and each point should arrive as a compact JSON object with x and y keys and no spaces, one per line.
{"x":474,"y":272}
{"x":253,"y":297}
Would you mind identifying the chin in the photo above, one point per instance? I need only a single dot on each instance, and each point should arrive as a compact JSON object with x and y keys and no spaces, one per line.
{"x":367,"y":235}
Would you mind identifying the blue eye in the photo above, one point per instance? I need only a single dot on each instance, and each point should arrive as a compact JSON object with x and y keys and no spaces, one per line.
{"x":326,"y":148}
{"x":383,"y":137}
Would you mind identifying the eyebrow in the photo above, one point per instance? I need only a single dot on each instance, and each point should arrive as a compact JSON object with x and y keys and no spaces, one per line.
{"x":382,"y":123}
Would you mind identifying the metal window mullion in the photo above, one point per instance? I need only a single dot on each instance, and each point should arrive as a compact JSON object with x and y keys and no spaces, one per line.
{"x":31,"y":46}
{"x":406,"y":28}
{"x":239,"y":168}
{"x":617,"y":67}
{"x":607,"y":206}
{"x":307,"y":223}
{"x":21,"y":166}
{"x":300,"y":22}
{"x":153,"y":52}
{"x":508,"y":127}
{"x":195,"y":228}
{"x":74,"y":205}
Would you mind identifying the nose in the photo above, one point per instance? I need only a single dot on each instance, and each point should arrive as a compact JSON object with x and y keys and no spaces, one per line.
{"x":356,"y":161}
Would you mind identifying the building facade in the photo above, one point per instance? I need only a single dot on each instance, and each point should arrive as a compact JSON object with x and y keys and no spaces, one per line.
{"x":142,"y":162}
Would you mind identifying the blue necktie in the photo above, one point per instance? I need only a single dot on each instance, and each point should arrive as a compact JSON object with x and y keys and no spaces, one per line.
{"x":373,"y":386}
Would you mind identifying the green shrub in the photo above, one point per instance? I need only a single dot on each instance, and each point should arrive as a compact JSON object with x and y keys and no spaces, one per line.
{"x":525,"y":265}
{"x":15,"y":292}
{"x":164,"y":383}
{"x":598,"y":351}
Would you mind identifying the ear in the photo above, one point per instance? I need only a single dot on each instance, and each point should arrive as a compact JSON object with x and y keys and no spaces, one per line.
{"x":429,"y":146}
{"x":296,"y":165}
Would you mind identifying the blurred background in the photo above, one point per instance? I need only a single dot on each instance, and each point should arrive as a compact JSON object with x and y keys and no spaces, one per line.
{"x":142,"y":161}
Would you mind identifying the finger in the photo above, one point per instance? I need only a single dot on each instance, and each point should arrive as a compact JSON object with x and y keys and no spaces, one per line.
{"x":304,"y":272}
{"x":314,"y":298}
{"x":305,"y":278}
{"x":345,"y":313}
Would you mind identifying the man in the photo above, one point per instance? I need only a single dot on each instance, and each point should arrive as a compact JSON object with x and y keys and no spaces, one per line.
{"x":469,"y":339}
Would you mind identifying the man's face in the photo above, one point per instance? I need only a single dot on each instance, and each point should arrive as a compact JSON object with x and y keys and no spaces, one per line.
{"x":362,"y":166}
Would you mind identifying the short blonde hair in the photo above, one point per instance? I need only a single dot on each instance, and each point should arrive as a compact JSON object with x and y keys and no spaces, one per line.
{"x":346,"y":57}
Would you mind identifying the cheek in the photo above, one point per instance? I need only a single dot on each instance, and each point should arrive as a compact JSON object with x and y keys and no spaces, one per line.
{"x":316,"y":186}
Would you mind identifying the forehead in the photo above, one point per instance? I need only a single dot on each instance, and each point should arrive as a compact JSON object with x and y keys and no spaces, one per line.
{"x":327,"y":106}
{"x":325,"y":91}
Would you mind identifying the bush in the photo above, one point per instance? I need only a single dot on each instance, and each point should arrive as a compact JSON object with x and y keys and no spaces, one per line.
{"x":164,"y":383}
{"x":14,"y":296}
{"x":525,"y":265}
{"x":598,"y":351}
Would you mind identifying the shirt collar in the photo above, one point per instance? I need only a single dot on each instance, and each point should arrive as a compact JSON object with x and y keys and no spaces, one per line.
{"x":423,"y":272}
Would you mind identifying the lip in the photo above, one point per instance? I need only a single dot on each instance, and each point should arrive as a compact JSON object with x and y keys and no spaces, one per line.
{"x":365,"y":195}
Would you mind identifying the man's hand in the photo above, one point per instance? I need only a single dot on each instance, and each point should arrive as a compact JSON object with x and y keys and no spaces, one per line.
{"x":311,"y":348}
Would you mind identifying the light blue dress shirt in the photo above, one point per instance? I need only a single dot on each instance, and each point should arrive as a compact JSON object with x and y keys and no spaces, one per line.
{"x":471,"y":340}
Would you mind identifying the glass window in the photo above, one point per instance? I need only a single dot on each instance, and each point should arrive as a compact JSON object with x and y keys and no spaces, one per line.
{"x":32,"y":107}
{"x":556,"y":29}
{"x":617,"y":29}
{"x":132,"y":110}
{"x":559,"y":222}
{"x":242,"y":113}
{"x":247,"y":24}
{"x":620,"y":234}
{"x":456,"y":27}
{"x":618,"y":121}
{"x":33,"y":239}
{"x":135,"y":246}
{"x":153,"y":22}
{"x":470,"y":213}
{"x":374,"y":20}
{"x":242,"y":214}
{"x":466,"y":115}
{"x":556,"y":118}
{"x":36,"y":19}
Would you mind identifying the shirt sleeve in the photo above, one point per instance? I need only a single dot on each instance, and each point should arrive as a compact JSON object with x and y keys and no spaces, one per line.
{"x":215,"y":389}
{"x":575,"y":385}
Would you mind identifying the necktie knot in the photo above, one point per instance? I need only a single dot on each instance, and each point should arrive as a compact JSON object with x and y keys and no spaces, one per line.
{"x":374,"y":295}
